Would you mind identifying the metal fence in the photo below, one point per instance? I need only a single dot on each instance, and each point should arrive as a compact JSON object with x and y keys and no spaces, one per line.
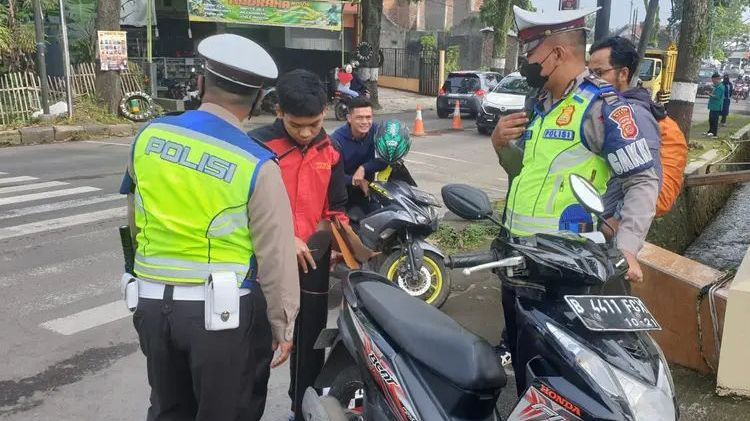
{"x":398,"y":62}
{"x":412,"y":65}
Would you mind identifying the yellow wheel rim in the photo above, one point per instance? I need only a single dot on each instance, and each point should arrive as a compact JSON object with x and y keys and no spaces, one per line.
{"x":436,"y":277}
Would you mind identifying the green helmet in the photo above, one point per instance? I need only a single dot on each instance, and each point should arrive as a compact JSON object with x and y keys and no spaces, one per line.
{"x":392,"y":141}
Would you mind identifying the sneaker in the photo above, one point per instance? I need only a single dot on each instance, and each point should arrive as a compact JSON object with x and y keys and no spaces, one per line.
{"x":710,"y":135}
{"x":503,"y":354}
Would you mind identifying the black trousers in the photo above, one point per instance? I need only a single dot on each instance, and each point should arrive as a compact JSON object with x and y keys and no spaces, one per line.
{"x":197,"y":374}
{"x":713,"y":122}
{"x":510,"y":337}
{"x":306,"y":363}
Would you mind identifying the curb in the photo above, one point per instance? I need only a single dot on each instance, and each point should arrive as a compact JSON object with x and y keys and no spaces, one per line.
{"x":36,"y":135}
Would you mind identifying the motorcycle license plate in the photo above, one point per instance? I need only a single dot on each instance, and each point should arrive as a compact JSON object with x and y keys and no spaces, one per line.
{"x":612,"y":313}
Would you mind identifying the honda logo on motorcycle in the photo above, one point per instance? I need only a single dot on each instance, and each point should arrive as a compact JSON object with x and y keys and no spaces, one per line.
{"x":560,"y":400}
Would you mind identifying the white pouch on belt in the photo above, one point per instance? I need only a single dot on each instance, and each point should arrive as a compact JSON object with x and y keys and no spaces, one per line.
{"x":129,"y":288}
{"x":222,"y":309}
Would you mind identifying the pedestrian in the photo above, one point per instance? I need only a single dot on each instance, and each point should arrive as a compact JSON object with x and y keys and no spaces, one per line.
{"x":355,"y":140}
{"x":214,"y":261}
{"x":715,"y":105}
{"x":580,"y":125}
{"x":728,"y":92}
{"x":313,"y":176}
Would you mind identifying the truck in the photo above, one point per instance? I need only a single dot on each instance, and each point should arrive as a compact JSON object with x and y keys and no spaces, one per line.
{"x":656,"y":72}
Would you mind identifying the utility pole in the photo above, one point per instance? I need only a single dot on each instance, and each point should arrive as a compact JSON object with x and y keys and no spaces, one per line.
{"x":684,"y":88}
{"x":41,"y":64}
{"x":66,"y":59}
{"x":602,"y":19}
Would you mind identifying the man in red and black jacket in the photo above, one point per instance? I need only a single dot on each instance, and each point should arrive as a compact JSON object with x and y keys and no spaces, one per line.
{"x":313,"y":174}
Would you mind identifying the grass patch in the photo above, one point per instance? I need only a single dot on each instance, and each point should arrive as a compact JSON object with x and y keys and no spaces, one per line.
{"x":473,"y":236}
{"x":86,"y":111}
{"x":700,"y":144}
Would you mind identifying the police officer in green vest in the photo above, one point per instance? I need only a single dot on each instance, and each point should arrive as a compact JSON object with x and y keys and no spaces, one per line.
{"x":214,"y":286}
{"x":580,"y":125}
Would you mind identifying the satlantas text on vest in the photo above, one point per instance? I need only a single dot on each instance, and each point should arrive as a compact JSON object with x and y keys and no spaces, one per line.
{"x":180,"y":154}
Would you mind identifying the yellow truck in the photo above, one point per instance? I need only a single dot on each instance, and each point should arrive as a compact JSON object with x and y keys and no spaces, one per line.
{"x":656,"y":72}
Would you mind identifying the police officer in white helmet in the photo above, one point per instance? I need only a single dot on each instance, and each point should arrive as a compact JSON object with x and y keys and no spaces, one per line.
{"x":214,"y":283}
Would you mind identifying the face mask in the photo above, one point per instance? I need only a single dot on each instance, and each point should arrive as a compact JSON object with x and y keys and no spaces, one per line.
{"x":533,"y":72}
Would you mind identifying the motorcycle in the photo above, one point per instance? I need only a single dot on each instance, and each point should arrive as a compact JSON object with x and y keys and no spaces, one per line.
{"x":402,"y":217}
{"x":585,"y":353}
{"x":587,"y":356}
{"x":395,"y":357}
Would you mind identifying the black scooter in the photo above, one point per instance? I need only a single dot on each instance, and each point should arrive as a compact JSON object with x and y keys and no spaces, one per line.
{"x":399,"y":219}
{"x":583,"y":349}
{"x":587,"y":355}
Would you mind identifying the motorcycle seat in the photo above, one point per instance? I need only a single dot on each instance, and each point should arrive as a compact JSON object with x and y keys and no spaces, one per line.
{"x":432,"y":337}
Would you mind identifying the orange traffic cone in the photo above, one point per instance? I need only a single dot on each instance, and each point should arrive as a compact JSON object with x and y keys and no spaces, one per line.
{"x":457,"y":125}
{"x":418,"y":123}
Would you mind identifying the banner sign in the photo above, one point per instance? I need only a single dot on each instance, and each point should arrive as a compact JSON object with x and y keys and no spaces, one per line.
{"x":299,"y":14}
{"x":113,"y":50}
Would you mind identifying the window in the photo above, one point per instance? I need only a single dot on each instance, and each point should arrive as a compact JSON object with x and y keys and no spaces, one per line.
{"x":512,"y":85}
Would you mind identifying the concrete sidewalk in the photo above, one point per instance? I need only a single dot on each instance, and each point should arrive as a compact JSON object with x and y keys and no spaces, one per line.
{"x":394,"y":101}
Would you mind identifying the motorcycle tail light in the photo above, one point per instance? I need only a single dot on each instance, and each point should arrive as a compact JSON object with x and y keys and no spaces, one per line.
{"x":479,"y":93}
{"x":441,"y":92}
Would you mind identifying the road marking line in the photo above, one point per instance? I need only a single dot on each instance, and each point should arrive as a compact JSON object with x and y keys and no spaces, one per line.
{"x":3,"y":173}
{"x":106,"y":143}
{"x":64,"y":222}
{"x":411,"y":161}
{"x":35,"y":186}
{"x":88,"y":319}
{"x":443,"y":157}
{"x":10,"y":180}
{"x":46,"y":195}
{"x":31,"y":210}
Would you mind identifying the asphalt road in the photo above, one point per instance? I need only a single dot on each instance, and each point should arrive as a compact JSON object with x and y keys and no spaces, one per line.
{"x":70,"y":350}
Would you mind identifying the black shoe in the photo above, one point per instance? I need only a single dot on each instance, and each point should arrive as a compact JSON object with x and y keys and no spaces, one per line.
{"x":502,"y":352}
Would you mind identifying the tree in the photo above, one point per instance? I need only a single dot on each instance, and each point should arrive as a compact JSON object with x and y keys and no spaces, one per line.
{"x":692,"y":45}
{"x":81,"y":16}
{"x":499,"y":15}
{"x":17,"y":39}
{"x":108,"y":83}
{"x":372,"y":11}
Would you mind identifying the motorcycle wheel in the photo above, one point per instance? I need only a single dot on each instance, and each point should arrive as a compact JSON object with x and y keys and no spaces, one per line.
{"x":345,"y":387}
{"x":340,"y":110}
{"x":432,"y":265}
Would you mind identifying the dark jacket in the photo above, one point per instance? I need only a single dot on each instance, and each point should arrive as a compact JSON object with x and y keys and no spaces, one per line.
{"x":313,"y":177}
{"x":356,"y":153}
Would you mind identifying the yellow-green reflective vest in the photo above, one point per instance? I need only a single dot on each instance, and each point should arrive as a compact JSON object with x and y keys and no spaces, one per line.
{"x":540,"y":194}
{"x":194,"y":175}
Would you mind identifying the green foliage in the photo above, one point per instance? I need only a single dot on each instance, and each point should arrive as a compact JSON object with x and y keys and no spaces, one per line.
{"x":81,"y":17}
{"x":452,"y":55}
{"x":471,"y":237}
{"x":499,"y":15}
{"x":429,"y":42}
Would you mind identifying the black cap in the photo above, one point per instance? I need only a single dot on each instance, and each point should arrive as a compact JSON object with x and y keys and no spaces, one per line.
{"x":716,"y":74}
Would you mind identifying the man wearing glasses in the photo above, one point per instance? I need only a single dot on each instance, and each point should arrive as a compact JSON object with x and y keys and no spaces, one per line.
{"x":579,"y":125}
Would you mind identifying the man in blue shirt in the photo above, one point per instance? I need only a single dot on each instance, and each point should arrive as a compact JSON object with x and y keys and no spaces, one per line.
{"x":356,"y":143}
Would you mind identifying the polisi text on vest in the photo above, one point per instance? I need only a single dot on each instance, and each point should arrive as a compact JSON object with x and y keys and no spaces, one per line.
{"x":179,"y":154}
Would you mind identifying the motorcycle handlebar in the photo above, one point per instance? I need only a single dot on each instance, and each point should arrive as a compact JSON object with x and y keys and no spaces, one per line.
{"x":461,"y":261}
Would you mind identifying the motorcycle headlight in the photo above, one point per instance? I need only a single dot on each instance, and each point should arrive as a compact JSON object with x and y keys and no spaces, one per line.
{"x":424,"y":197}
{"x":646,"y":402}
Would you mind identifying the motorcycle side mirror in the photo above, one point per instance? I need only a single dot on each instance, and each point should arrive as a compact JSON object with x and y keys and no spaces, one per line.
{"x":467,"y":202}
{"x":586,"y":194}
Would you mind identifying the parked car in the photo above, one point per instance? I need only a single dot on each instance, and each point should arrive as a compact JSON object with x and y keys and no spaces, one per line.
{"x":705,"y":86}
{"x":508,"y":97}
{"x":466,"y":87}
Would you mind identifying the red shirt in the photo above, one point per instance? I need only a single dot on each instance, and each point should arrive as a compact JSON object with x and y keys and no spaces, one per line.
{"x":345,"y":78}
{"x":313,"y":177}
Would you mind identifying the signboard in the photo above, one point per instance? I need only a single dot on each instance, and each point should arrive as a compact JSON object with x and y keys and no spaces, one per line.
{"x":300,"y":14}
{"x":113,"y":50}
{"x":568,"y":4}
